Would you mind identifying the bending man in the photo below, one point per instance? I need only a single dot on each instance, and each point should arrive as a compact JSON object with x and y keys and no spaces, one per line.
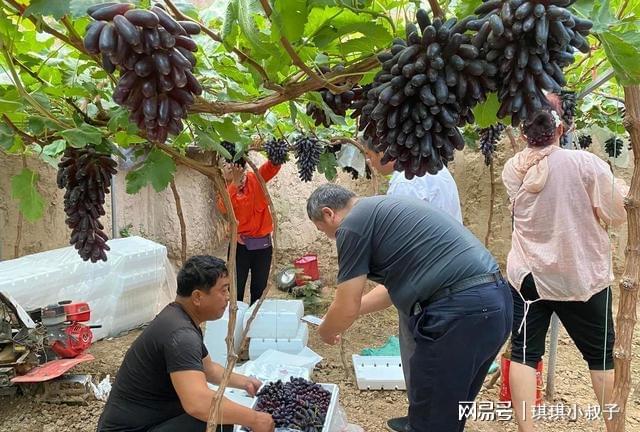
{"x":438,"y":274}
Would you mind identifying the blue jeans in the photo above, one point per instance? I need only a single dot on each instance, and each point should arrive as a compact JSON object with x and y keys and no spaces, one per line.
{"x":457,"y":338}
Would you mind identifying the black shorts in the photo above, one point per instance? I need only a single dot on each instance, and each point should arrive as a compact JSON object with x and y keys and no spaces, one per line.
{"x":590,"y":325}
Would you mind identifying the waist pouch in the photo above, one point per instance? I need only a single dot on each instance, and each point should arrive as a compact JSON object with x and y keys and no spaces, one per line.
{"x":257,"y":243}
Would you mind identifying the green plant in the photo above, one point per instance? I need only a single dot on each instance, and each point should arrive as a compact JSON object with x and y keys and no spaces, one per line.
{"x":126,"y":231}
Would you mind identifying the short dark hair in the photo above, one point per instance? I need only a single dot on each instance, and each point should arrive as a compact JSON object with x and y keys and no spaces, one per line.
{"x":231,"y":148}
{"x":200,"y":272}
{"x":328,"y":195}
{"x":540,"y":128}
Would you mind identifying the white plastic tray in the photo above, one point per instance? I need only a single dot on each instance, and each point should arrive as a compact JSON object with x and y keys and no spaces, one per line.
{"x":333,"y":405}
{"x":378,"y":372}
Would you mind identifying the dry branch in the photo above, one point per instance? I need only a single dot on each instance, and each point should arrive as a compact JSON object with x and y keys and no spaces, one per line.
{"x":492,"y":201}
{"x":295,"y":58}
{"x":183,"y":227}
{"x":213,"y":172}
{"x":289,"y":92}
{"x":16,"y":248}
{"x":627,"y":317}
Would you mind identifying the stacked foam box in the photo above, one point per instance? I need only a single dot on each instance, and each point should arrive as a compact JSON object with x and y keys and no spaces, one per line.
{"x":216,"y":332}
{"x":277,"y":326}
{"x":123,"y":293}
{"x":141,"y":273}
{"x":379,"y":372}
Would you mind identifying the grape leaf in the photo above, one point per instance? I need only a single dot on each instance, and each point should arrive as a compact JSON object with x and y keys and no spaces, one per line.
{"x":327,"y":165}
{"x":486,"y":113}
{"x":82,"y":136}
{"x":55,"y":148}
{"x":23,"y":189}
{"x":158,"y":170}
{"x":6,"y":136}
{"x":602,"y":17}
{"x":290,"y":16}
{"x":56,"y":9}
{"x":623,"y":56}
{"x":464,"y":8}
{"x":227,"y":130}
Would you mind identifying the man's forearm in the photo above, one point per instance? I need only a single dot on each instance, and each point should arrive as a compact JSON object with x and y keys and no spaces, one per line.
{"x":232,"y":413}
{"x":215,"y":372}
{"x":375,"y":300}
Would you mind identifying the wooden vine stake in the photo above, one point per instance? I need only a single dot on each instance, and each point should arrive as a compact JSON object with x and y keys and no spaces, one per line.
{"x":183,"y":226}
{"x":215,"y":413}
{"x":626,"y":318}
{"x":214,"y":173}
{"x":492,"y":201}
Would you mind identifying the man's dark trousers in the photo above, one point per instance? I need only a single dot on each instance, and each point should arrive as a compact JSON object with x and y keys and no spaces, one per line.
{"x":457,"y":339}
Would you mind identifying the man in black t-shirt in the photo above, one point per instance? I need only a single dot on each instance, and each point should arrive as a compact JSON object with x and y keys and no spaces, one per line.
{"x":438,"y":274}
{"x":161,"y":385}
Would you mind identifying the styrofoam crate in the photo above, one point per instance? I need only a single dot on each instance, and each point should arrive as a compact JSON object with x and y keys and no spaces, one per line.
{"x":379,"y":372}
{"x":216,"y":332}
{"x":331,"y":411}
{"x":141,"y":279}
{"x":276,"y":319}
{"x":287,"y":345}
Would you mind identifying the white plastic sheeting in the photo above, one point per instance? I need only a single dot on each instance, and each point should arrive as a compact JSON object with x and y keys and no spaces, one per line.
{"x":128,"y":290}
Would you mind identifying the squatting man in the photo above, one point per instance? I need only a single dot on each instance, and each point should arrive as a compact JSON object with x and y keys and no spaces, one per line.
{"x":161,"y":385}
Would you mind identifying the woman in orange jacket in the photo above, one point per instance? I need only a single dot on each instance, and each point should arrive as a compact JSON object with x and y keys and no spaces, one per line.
{"x":254,"y":251}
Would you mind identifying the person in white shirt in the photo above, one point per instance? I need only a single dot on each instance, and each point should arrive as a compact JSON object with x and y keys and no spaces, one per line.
{"x":440,"y":191}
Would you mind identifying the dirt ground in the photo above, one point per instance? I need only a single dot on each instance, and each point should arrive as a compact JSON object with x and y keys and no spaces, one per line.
{"x":368,"y":409}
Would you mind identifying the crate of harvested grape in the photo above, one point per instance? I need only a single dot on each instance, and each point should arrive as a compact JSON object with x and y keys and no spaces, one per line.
{"x":298,"y":405}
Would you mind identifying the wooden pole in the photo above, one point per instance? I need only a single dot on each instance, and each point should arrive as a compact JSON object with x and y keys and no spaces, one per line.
{"x":215,"y":413}
{"x":627,"y":317}
{"x":183,"y":226}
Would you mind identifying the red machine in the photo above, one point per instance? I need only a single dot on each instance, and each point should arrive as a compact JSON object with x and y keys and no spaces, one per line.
{"x":66,"y":336}
{"x":42,"y":344}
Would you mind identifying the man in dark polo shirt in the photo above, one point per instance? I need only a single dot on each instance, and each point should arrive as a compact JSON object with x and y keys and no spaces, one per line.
{"x":436,"y":272}
{"x":161,"y":385}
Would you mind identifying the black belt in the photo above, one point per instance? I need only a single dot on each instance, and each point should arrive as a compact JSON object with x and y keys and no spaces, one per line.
{"x":463,"y":285}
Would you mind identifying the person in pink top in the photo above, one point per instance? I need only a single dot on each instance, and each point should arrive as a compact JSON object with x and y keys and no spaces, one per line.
{"x":561,"y":201}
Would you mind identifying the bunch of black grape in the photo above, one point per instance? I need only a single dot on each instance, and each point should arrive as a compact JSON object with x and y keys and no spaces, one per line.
{"x":613,"y":147}
{"x":338,"y":103}
{"x":488,"y":138}
{"x":585,"y":141}
{"x":426,"y":89}
{"x":86,"y":176}
{"x":568,"y":100}
{"x":307,"y":151}
{"x":154,"y":54}
{"x":297,"y":404}
{"x":530,"y":42}
{"x":277,"y":151}
{"x":355,"y":174}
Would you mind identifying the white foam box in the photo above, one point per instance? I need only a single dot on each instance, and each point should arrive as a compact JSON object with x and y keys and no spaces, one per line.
{"x":276,"y":319}
{"x":216,"y":331}
{"x":331,"y":411}
{"x":293,"y":345}
{"x":378,"y":372}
